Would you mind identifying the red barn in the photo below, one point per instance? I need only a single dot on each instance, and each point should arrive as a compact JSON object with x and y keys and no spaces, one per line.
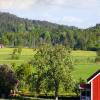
{"x":94,"y":81}
{"x":91,"y":91}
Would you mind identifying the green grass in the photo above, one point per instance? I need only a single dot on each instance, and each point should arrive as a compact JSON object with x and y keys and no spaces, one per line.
{"x":5,"y":56}
{"x":80,"y":53}
{"x":84,"y":71}
{"x":84,"y":64}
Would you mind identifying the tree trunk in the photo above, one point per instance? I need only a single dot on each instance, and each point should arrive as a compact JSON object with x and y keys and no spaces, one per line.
{"x":56,"y":91}
{"x":56,"y":98}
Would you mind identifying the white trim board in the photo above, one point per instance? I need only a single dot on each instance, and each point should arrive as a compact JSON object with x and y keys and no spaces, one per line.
{"x":94,"y":77}
{"x":92,"y":90}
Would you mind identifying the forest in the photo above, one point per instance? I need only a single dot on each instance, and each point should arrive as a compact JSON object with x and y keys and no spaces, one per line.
{"x":15,"y":32}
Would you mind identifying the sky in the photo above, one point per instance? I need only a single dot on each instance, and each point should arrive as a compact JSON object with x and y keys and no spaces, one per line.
{"x":79,"y":13}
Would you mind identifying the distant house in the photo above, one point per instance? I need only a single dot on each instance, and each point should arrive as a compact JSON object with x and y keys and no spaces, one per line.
{"x":1,"y":46}
{"x":91,"y":91}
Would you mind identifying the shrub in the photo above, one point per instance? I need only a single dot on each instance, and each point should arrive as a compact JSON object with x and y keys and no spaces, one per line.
{"x":98,"y":56}
{"x":16,"y":53}
{"x":8,"y":79}
{"x":97,"y":59}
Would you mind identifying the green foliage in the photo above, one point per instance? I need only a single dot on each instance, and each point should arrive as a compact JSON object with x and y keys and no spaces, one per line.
{"x":76,"y":86}
{"x":16,"y":53}
{"x":8,"y":79}
{"x":97,"y":59}
{"x":98,"y":56}
{"x":53,"y":67}
{"x":15,"y":31}
{"x":19,"y":50}
{"x":4,"y":40}
{"x":13,"y":66}
{"x":98,"y":52}
{"x":24,"y":73}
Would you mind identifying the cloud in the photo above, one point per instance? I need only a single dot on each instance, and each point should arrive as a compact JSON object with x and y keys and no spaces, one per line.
{"x":25,"y":4}
{"x":71,"y":19}
{"x":71,"y":3}
{"x":16,"y":4}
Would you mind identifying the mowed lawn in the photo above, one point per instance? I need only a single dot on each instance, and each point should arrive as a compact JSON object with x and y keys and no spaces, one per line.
{"x":84,"y":64}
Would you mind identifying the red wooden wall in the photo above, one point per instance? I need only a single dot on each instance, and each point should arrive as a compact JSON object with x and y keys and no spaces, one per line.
{"x":96,"y":88}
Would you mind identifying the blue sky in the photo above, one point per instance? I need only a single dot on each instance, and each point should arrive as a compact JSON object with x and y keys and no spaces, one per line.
{"x":79,"y":13}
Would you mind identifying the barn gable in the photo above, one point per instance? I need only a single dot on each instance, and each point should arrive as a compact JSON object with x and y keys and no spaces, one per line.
{"x":94,"y":80}
{"x":91,"y":78}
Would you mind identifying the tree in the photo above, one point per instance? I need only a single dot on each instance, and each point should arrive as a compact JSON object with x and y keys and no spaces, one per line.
{"x":97,"y":59}
{"x":76,"y":86}
{"x":98,"y":52}
{"x":8,"y":79}
{"x":16,"y":53}
{"x":53,"y":63}
{"x":60,"y":66}
{"x":4,"y":40}
{"x":24,"y":73}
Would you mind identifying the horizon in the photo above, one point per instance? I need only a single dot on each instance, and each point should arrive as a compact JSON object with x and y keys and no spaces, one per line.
{"x":80,"y":13}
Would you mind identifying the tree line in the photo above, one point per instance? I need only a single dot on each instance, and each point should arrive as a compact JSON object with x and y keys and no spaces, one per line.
{"x":15,"y":31}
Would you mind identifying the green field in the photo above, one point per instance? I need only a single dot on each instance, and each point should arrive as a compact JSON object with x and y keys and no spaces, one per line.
{"x":84,"y":64}
{"x":5,"y":56}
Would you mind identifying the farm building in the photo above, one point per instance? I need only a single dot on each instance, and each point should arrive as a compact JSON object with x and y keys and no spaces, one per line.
{"x":91,"y":91}
{"x":1,"y":46}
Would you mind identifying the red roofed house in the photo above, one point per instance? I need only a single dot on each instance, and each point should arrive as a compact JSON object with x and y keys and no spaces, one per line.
{"x":91,"y":91}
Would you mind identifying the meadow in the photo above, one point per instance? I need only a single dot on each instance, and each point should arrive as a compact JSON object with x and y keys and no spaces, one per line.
{"x":83,"y":61}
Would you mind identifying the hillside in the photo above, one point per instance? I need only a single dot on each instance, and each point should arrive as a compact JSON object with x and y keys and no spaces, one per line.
{"x":11,"y":23}
{"x":15,"y":31}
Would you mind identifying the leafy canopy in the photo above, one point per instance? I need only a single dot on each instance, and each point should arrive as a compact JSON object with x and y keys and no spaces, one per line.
{"x":53,"y":65}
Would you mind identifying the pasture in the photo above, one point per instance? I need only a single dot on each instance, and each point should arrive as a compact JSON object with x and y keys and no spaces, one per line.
{"x":83,"y":61}
{"x":5,"y":56}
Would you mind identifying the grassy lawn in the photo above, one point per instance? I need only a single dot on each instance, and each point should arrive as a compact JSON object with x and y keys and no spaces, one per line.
{"x":80,"y":53}
{"x":84,"y":71}
{"x":5,"y":56}
{"x":84,"y":64}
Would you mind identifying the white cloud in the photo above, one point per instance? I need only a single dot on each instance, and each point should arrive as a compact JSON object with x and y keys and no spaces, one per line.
{"x":71,"y":19}
{"x":25,"y":4}
{"x":16,"y":4}
{"x":71,"y":3}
